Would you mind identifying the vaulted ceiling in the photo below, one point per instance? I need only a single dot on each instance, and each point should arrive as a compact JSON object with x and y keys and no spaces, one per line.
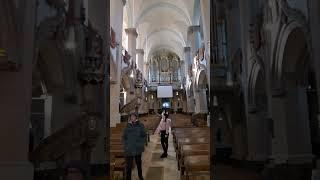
{"x":161,"y":24}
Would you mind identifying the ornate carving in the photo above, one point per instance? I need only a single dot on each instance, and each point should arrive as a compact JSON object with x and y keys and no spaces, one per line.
{"x":63,"y":141}
{"x":126,"y":57}
{"x":139,"y":79}
{"x":92,"y":68}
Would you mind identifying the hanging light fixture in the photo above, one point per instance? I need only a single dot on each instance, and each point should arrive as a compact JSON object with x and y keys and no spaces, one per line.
{"x":146,"y":89}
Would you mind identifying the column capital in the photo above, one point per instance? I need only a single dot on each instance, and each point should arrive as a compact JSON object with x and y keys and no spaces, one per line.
{"x":140,"y":51}
{"x":132,"y":31}
{"x":186,"y":49}
{"x":193,"y":28}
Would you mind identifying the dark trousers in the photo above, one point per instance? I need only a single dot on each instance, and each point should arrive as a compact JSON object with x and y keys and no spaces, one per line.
{"x":164,"y":141}
{"x":129,"y":160}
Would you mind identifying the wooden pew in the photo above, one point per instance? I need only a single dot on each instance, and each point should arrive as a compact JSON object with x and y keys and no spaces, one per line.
{"x":189,"y":141}
{"x":192,"y":145}
{"x":196,"y":165}
{"x":191,"y":150}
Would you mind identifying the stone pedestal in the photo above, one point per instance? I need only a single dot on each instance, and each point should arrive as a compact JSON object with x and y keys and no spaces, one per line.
{"x":291,"y":142}
{"x":258,"y":135}
{"x":201,"y":101}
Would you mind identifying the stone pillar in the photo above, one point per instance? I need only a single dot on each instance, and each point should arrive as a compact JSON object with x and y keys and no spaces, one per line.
{"x":205,"y":15}
{"x":141,"y":67}
{"x":291,"y":141}
{"x":182,"y":70}
{"x":16,"y":99}
{"x":194,"y":38}
{"x":187,"y":51}
{"x":100,"y":22}
{"x":140,"y":60}
{"x":132,"y":42}
{"x":201,"y":101}
{"x":314,"y":6}
{"x":258,"y":135}
{"x":116,"y":14}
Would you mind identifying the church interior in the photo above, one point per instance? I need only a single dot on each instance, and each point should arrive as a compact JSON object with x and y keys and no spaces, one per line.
{"x":238,"y":80}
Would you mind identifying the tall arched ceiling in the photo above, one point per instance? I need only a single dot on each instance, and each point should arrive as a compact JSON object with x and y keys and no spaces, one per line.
{"x":161,"y":24}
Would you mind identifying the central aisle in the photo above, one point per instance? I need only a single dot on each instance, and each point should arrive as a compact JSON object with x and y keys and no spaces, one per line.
{"x":156,"y":168}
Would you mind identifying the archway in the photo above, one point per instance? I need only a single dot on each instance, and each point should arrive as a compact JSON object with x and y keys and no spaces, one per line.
{"x":201,"y":91}
{"x":258,"y":135}
{"x":290,"y":109}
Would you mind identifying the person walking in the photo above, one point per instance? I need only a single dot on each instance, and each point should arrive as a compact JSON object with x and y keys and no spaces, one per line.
{"x":163,"y":130}
{"x":133,"y":139}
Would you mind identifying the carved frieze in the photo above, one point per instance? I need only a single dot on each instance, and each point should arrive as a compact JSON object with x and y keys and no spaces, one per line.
{"x":92,"y":69}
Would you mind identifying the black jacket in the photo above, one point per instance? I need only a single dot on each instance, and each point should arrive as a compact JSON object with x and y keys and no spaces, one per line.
{"x":134,"y":137}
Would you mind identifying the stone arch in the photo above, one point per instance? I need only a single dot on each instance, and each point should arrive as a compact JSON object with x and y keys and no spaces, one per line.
{"x":201,"y":80}
{"x":290,"y":67}
{"x":295,"y":27}
{"x":256,"y":75}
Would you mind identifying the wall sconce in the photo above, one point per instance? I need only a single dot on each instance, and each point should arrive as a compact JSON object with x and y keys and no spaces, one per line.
{"x":151,"y":96}
{"x":146,"y":89}
{"x":177,"y":93}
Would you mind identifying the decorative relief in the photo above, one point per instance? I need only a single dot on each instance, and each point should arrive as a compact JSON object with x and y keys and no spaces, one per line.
{"x":92,"y":68}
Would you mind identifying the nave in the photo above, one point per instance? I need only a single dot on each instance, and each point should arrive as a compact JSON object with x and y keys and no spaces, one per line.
{"x":194,"y":146}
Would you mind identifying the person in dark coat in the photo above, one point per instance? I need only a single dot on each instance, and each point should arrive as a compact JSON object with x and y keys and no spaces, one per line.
{"x":134,"y":137}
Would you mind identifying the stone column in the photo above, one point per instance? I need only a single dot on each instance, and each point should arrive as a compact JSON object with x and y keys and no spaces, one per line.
{"x":190,"y":100}
{"x":15,"y":99}
{"x":257,"y":133}
{"x":201,"y":101}
{"x":205,"y":15}
{"x":100,"y":22}
{"x":291,"y":141}
{"x":315,"y":28}
{"x":140,"y":60}
{"x":116,"y":14}
{"x":132,"y":42}
{"x":141,"y":67}
{"x":194,"y":39}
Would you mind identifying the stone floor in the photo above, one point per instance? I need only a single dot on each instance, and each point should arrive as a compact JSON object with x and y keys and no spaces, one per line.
{"x":151,"y":158}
